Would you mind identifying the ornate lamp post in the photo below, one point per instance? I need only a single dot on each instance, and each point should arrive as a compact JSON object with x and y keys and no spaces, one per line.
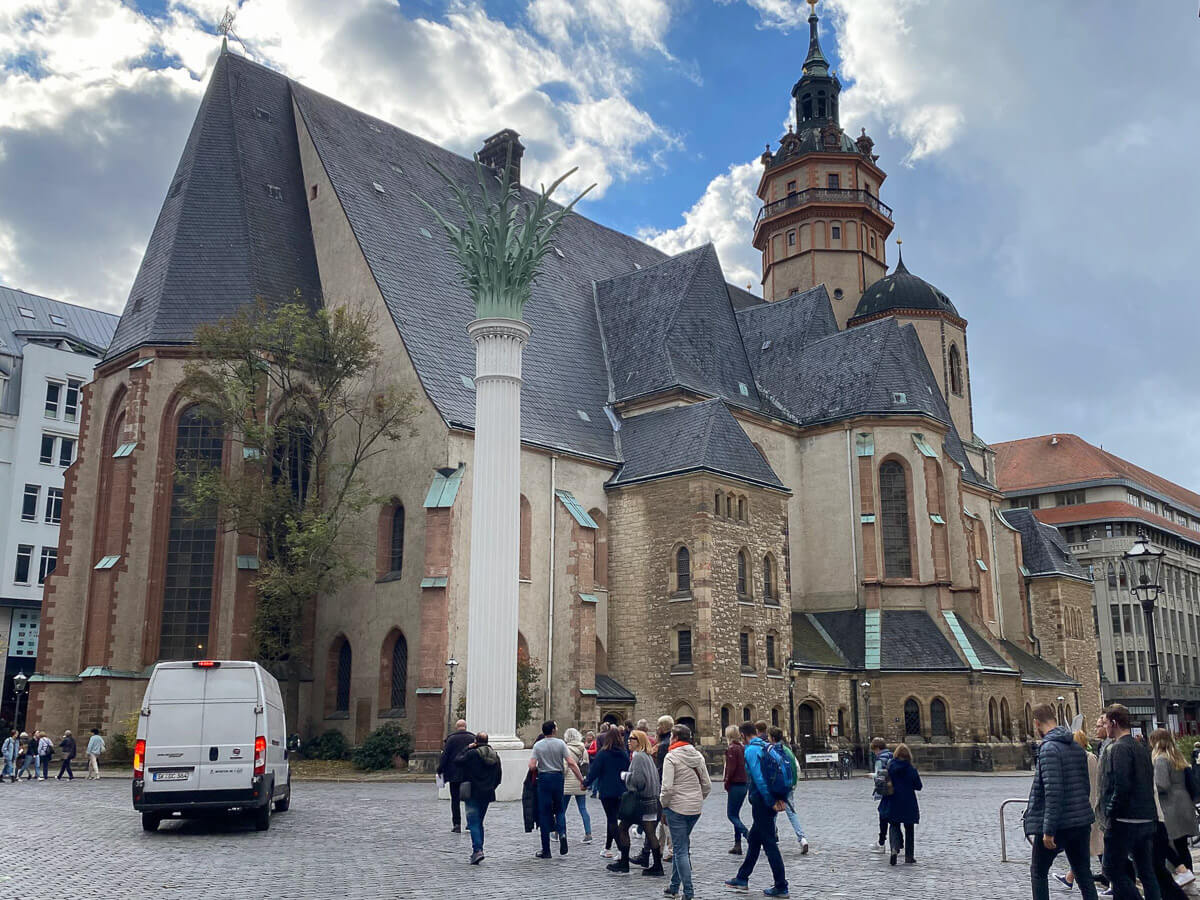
{"x":791,"y":700}
{"x":1146,"y":565}
{"x":451,"y":665}
{"x":865,"y":687}
{"x":20,"y":689}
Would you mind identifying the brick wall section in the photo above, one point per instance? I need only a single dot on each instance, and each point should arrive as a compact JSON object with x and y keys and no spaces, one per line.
{"x":1071,"y":648}
{"x":578,"y":669}
{"x":435,"y":616}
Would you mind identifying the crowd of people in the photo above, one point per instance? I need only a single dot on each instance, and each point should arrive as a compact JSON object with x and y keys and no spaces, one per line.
{"x":27,"y":757}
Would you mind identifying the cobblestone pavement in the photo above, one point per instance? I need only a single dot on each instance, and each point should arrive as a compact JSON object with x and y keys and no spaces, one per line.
{"x":347,"y":841}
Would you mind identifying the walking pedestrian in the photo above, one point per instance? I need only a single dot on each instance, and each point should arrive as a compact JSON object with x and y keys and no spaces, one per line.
{"x":661,"y":744}
{"x":903,"y":809}
{"x":883,"y":788}
{"x":1096,"y":836}
{"x":605,"y":778}
{"x":1059,"y":815}
{"x":95,"y":747}
{"x":768,"y":796}
{"x":736,"y":782}
{"x":641,"y":781}
{"x":68,"y":748}
{"x":481,"y":772}
{"x":8,"y":752}
{"x":775,"y":735}
{"x":572,"y":786}
{"x":27,"y":756}
{"x":1127,"y":801}
{"x":551,"y":759}
{"x":685,"y":786}
{"x":45,"y":750}
{"x":452,"y":747}
{"x":1177,"y":812}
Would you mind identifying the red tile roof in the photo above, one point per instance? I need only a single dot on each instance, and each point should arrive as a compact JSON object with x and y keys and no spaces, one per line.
{"x":1107,"y":511}
{"x":1052,"y":461}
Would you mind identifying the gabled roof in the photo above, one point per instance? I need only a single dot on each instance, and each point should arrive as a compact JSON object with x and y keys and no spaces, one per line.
{"x":909,"y":640}
{"x":775,"y":334}
{"x":234,"y":226}
{"x":698,"y":437}
{"x":1035,"y":670}
{"x":673,"y":324}
{"x":1043,"y":550}
{"x":90,"y":327}
{"x":609,"y":690}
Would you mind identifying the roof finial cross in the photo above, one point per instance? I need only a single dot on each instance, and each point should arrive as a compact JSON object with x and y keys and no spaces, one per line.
{"x":225,"y":29}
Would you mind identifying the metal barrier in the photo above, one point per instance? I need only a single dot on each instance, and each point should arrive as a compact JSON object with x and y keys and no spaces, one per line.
{"x":1003,"y":834}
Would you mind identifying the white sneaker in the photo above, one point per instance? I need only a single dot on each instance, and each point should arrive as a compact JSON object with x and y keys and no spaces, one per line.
{"x":608,"y":854}
{"x":1185,"y":877}
{"x":803,"y":846}
{"x":877,"y":848}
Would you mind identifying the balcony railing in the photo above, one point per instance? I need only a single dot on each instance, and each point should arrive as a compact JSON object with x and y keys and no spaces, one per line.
{"x":823,"y":195}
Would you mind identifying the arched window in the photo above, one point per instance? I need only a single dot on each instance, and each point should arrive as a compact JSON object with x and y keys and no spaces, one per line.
{"x":1028,"y":720}
{"x":726,"y":717}
{"x":768,"y":580}
{"x":337,"y":677}
{"x":993,"y":727}
{"x":191,"y":541}
{"x":806,"y":724}
{"x":742,"y":585}
{"x":393,"y":672}
{"x":600,"y":550}
{"x":841,"y":726}
{"x":746,"y":650}
{"x":747,"y":714}
{"x":912,"y":718}
{"x":893,"y":500}
{"x":729,"y":507}
{"x":956,"y":374}
{"x":937,"y":718}
{"x":524,"y":567}
{"x":1124,"y":576}
{"x":775,"y":716}
{"x":1112,"y":577}
{"x":397,"y":546}
{"x":683,"y":570}
{"x":717,"y":503}
{"x":1005,"y":719}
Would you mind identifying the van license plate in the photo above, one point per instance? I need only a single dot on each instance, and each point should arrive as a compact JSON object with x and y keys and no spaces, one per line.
{"x":171,"y":776}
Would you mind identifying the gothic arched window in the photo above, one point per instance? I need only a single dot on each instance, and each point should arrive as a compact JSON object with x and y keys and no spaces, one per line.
{"x":742,"y":585}
{"x":768,"y":580}
{"x":937,"y":718}
{"x":399,"y":685}
{"x":893,"y":499}
{"x":956,"y":373}
{"x":396,"y":558}
{"x":683,"y":570}
{"x":912,"y":717}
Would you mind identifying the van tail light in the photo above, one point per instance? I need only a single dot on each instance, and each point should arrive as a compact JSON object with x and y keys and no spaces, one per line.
{"x":260,"y":755}
{"x":139,"y":760}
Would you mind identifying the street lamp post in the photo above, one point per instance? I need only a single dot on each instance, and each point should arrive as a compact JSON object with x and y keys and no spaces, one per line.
{"x":791,"y":701}
{"x":865,"y":687}
{"x":1146,"y":563}
{"x":451,"y":665}
{"x":20,"y":687}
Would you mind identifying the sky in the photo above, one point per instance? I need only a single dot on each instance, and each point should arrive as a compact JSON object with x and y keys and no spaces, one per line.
{"x":1040,"y":157}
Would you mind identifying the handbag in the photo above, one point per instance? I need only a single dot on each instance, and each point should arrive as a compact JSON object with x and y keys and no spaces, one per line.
{"x":629,"y":807}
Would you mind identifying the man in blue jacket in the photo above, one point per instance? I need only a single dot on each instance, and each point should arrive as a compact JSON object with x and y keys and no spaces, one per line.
{"x":1059,"y":815}
{"x":764,"y":804}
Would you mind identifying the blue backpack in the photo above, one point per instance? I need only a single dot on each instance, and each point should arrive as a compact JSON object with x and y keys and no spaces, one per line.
{"x":777,"y":772}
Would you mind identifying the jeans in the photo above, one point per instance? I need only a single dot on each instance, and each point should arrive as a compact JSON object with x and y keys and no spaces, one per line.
{"x":762,"y":837}
{"x":455,"y":809}
{"x":475,"y":814}
{"x":10,"y":769}
{"x":552,"y":812}
{"x":30,"y":765}
{"x":581,"y":803}
{"x":734,"y":798}
{"x":906,"y":841}
{"x":792,"y":817}
{"x":1124,"y":839}
{"x":1073,"y":842}
{"x":680,"y":827}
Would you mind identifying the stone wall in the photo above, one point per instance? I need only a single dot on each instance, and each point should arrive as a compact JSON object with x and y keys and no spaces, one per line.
{"x":1062,"y":623}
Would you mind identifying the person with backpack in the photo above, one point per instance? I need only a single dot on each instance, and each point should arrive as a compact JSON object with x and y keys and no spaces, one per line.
{"x":883,"y":787}
{"x":45,"y":750}
{"x":769,"y":784}
{"x":903,"y":811}
{"x":1177,"y":806}
{"x":737,"y":782}
{"x":481,"y":772}
{"x":778,"y":743}
{"x":685,"y":785}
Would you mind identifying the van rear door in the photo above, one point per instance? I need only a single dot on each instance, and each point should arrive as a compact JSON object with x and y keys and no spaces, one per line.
{"x":175,"y":703}
{"x":232,"y":707}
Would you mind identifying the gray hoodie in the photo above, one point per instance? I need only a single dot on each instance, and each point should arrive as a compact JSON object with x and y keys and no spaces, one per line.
{"x":685,"y":781}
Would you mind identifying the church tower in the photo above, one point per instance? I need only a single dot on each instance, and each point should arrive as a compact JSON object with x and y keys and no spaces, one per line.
{"x":822,"y":220}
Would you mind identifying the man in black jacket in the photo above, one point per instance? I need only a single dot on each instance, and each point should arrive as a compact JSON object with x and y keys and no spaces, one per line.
{"x":479,"y":766}
{"x":1059,"y":815}
{"x":1128,"y":806}
{"x":456,"y":742}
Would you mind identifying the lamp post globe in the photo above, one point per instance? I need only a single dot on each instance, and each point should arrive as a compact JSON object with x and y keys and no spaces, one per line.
{"x":865,"y":687}
{"x":451,"y":665}
{"x":1145,"y":562}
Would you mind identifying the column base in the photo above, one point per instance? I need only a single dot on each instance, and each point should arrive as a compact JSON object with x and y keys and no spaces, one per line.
{"x":514,"y":765}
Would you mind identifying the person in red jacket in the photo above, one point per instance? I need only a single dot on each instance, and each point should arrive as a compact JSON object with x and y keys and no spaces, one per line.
{"x":737,"y":782}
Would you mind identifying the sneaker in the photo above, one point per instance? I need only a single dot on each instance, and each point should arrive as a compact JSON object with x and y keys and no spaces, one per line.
{"x":587,"y":838}
{"x":1062,"y":879}
{"x":477,"y":857}
{"x":1184,"y":877}
{"x":608,"y":854}
{"x":736,"y":849}
{"x":775,"y":892}
{"x":737,"y":884}
{"x":877,"y":848}
{"x":542,"y":855}
{"x":803,"y":846}
{"x":1107,"y":892}
{"x":457,"y":829}
{"x":671,"y":892}
{"x":562,"y":846}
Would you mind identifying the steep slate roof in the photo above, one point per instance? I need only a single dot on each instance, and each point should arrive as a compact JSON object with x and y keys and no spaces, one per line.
{"x":87,"y":326}
{"x":775,"y":334}
{"x":909,"y":639}
{"x":673,"y":324}
{"x":221,"y":239}
{"x":984,"y":651}
{"x":700,"y":436}
{"x":1043,"y":549}
{"x":846,"y":628}
{"x":810,"y":647}
{"x":609,"y":690}
{"x":1035,"y":670}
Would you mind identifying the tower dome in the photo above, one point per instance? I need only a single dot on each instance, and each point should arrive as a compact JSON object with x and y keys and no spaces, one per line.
{"x":898,"y":291}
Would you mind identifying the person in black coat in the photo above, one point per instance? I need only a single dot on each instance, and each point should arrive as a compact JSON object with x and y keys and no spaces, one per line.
{"x":903,"y":811}
{"x":68,"y":748}
{"x":1059,"y":816}
{"x":452,"y":748}
{"x":1127,"y":803}
{"x":479,"y":766}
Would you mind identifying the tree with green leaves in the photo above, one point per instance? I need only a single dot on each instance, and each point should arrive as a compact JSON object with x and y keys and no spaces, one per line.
{"x":306,"y":401}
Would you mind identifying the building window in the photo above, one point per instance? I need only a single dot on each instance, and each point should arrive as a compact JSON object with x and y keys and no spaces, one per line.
{"x":937,"y":718}
{"x":396,"y":560}
{"x":893,"y":498}
{"x":683,"y":648}
{"x":791,"y":187}
{"x":66,"y":451}
{"x":24,"y":563}
{"x":835,"y":232}
{"x":1068,"y":498}
{"x":772,"y":663}
{"x":47,"y":563}
{"x":1112,"y":577}
{"x":683,"y":570}
{"x":191,"y":542}
{"x":774,"y":716}
{"x":525,"y":561}
{"x":745,"y":651}
{"x":912,"y":717}
{"x":834,"y":181}
{"x":29,"y":503}
{"x":741,"y":573}
{"x":729,"y":507}
{"x":768,"y":580}
{"x":71,"y":406}
{"x":341,"y":700}
{"x":747,"y":714}
{"x":726,"y":716}
{"x":956,"y":375}
{"x":1123,"y":576}
{"x":53,"y":398}
{"x":54,"y":498}
{"x":399,"y":672}
{"x":46,"y":458}
{"x":791,"y":238}
{"x":717,"y":503}
{"x":741,"y":509}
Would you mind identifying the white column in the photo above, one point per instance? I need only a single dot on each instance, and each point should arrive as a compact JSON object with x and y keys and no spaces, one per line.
{"x":494,"y":597}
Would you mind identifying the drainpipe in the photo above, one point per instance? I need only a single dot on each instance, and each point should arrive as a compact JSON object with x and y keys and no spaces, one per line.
{"x":549,"y":674}
{"x":853,"y":529}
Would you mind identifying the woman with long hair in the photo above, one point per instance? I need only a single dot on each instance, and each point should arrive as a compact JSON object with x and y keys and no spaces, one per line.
{"x":737,"y":784}
{"x":605,"y":773}
{"x":903,"y":809}
{"x":1177,"y":813}
{"x":571,"y":785}
{"x":642,"y":781}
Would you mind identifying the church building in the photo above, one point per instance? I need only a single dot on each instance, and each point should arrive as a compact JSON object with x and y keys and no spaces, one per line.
{"x":732,"y":507}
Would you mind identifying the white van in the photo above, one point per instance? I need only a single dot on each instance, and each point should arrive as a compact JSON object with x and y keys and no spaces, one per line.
{"x":211,"y":736}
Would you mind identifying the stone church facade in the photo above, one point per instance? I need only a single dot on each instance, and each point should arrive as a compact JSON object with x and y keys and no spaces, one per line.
{"x":731,"y":506}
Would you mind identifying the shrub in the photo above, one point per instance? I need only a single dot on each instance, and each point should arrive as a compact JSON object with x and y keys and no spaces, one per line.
{"x":331,"y":745}
{"x":382,"y":746}
{"x":123,"y":738}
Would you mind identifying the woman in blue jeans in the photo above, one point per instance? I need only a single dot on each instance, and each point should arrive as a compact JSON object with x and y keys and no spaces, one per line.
{"x":737,"y":783}
{"x":685,"y":785}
